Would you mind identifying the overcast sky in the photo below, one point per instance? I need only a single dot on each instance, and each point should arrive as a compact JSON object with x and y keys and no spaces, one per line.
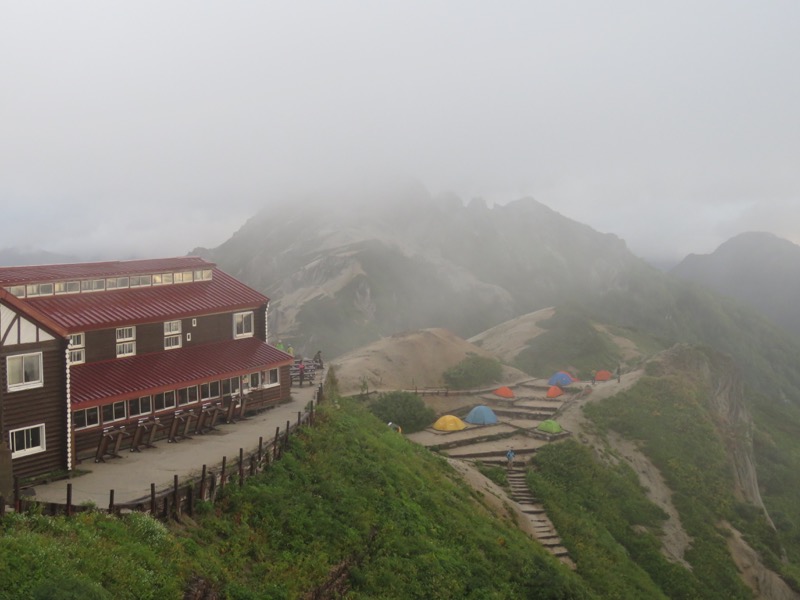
{"x":150,"y":127}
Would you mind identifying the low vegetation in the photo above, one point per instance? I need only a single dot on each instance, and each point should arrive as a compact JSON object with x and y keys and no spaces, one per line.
{"x":352,"y":509}
{"x":569,"y":340}
{"x":473,"y":372}
{"x":406,"y":409}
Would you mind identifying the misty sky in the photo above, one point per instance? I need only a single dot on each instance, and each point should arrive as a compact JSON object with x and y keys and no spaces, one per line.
{"x":148,"y":128}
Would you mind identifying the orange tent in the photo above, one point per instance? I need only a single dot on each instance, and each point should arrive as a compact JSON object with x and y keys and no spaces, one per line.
{"x":504,"y":392}
{"x":554,"y":391}
{"x":603,"y":376}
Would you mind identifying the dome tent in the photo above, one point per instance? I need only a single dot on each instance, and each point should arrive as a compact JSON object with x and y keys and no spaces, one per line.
{"x":561,"y":379}
{"x":481,"y":415}
{"x":603,"y":375}
{"x":504,"y":392}
{"x":550,"y":426}
{"x":449,"y":423}
{"x":554,"y":391}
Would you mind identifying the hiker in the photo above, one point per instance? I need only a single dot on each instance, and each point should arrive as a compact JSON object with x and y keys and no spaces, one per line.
{"x":618,"y":373}
{"x":290,"y":350}
{"x":510,"y":457}
{"x":280,"y":346}
{"x":594,"y":376}
{"x":301,"y":369}
{"x":318,"y":359}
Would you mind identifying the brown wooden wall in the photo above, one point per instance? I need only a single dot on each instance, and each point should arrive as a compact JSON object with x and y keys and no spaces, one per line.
{"x":102,"y":344}
{"x":46,"y":404}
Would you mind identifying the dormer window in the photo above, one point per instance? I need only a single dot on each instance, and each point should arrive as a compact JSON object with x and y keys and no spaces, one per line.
{"x":243,"y":324}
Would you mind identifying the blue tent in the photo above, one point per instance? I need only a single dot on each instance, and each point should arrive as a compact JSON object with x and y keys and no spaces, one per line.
{"x":560,"y":379}
{"x":481,"y":415}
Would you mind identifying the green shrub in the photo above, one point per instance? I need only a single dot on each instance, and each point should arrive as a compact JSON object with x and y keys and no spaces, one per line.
{"x":404,"y":408}
{"x":474,"y":371}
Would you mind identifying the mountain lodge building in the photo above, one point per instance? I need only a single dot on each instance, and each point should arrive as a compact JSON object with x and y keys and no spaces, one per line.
{"x":99,"y":356}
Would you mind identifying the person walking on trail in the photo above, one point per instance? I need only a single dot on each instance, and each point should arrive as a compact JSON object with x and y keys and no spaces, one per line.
{"x":594,"y":377}
{"x":318,"y":359}
{"x":280,"y":346}
{"x":618,"y":373}
{"x":301,"y":369}
{"x":290,"y":350}
{"x":510,"y":455}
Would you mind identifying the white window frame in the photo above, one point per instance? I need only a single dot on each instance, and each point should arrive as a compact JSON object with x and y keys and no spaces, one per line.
{"x":33,"y":290}
{"x":85,"y":411}
{"x":171,"y":327}
{"x":243,"y":317}
{"x":171,"y":342}
{"x":28,"y":450}
{"x":141,"y":280}
{"x":126,"y":341}
{"x":16,"y":290}
{"x":114,"y":406}
{"x":207,"y":391}
{"x":267,"y":376}
{"x":24,"y":385}
{"x":138,"y":402}
{"x":77,"y":348}
{"x":164,"y":395}
{"x":63,"y":287}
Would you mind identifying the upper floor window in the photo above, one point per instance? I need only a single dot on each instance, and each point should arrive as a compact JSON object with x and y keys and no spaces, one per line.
{"x":126,"y":341}
{"x":171,"y":327}
{"x":28,"y":440}
{"x":183,"y":277}
{"x":39,"y":289}
{"x":93,"y":285}
{"x":17,"y":290}
{"x":162,"y":278}
{"x":116,"y":283}
{"x":68,"y":287}
{"x":77,"y":348}
{"x":141,"y":280}
{"x":243,"y":324}
{"x":24,"y":371}
{"x":202,"y":275}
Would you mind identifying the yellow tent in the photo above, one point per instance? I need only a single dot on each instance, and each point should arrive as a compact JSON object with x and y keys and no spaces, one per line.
{"x":449,"y":423}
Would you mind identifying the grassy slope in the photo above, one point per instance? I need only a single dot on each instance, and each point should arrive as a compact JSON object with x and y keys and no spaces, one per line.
{"x":351,"y":497}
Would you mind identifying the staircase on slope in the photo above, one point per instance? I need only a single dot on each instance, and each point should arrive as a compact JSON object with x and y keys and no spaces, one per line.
{"x":544,"y":530}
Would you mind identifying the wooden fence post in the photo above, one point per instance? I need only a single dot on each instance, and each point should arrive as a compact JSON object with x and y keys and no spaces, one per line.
{"x":190,"y":500}
{"x":2,"y":507}
{"x":111,"y":501}
{"x":222,"y":476}
{"x":252,"y":465}
{"x":202,"y":493}
{"x":176,"y":497}
{"x":260,"y":448}
{"x":286,"y":437}
{"x":153,"y":500}
{"x":69,"y":500}
{"x":275,"y":443}
{"x":241,"y":467}
{"x":17,"y":498}
{"x":299,"y":417}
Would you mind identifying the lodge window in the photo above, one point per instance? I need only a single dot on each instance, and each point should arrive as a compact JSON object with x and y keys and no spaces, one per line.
{"x":93,"y":285}
{"x":209,"y":390}
{"x":77,"y":349}
{"x":126,"y":341}
{"x":162,"y":279}
{"x":172,"y":327}
{"x":88,"y":417}
{"x":243,"y":324}
{"x":230,"y":386}
{"x":172,"y":341}
{"x":114,"y":283}
{"x":270,"y":378}
{"x":255,"y":380}
{"x":187,"y":395}
{"x":165,"y":400}
{"x":39,"y":289}
{"x":141,"y":280}
{"x":183,"y":277}
{"x":24,"y":371}
{"x":140,"y":406}
{"x":114,"y":412}
{"x":68,"y":287}
{"x":17,"y":290}
{"x":28,"y":440}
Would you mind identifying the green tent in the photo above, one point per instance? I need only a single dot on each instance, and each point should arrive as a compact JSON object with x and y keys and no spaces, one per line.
{"x":550,"y":426}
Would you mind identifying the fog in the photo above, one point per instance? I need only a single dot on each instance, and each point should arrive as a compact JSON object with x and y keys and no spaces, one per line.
{"x":149,"y":128}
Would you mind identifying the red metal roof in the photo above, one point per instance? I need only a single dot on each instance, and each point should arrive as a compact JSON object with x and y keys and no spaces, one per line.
{"x":100,"y":310}
{"x":117,"y":268}
{"x":92,"y":384}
